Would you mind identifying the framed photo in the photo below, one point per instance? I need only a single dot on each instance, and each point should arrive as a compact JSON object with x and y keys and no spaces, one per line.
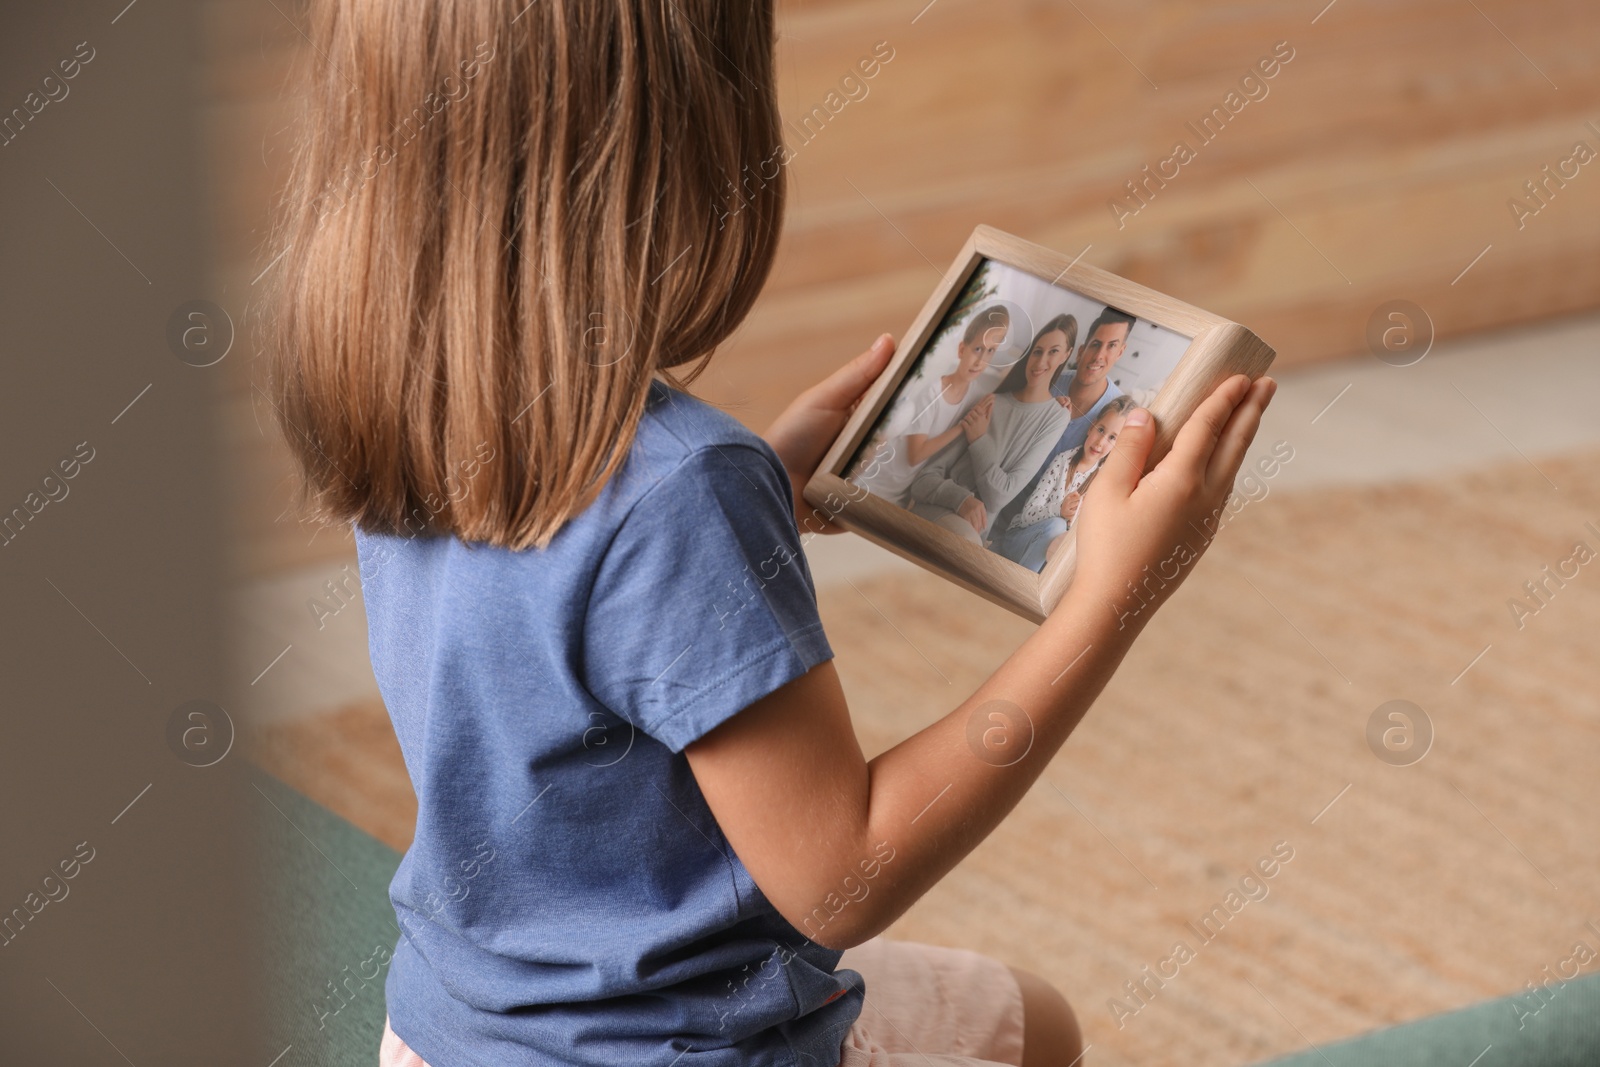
{"x":972,"y":452}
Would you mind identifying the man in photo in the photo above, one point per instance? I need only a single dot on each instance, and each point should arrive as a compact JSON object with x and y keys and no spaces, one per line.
{"x":1084,"y":394}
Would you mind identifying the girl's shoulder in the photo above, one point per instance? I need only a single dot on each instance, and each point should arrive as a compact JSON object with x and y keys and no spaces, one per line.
{"x":698,"y":598}
{"x":693,"y":422}
{"x":686,"y":460}
{"x":676,"y":427}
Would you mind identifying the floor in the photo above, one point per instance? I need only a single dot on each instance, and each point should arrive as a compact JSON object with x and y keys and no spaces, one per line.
{"x":1239,"y":731}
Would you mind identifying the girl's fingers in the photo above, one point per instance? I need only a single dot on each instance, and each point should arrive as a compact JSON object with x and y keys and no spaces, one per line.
{"x":845,"y":386}
{"x":1239,"y":432}
{"x":1197,"y":438}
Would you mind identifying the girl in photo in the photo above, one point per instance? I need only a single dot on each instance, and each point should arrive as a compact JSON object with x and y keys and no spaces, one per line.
{"x":925,"y":418}
{"x":602,"y":653}
{"x":1033,"y":537}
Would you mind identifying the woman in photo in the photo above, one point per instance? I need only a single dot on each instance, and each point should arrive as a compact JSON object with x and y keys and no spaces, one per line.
{"x":1004,"y":441}
{"x":926,"y":418}
{"x":1034,"y":536}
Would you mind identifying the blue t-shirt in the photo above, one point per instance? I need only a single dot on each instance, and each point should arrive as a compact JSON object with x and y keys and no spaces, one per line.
{"x":569,"y":898}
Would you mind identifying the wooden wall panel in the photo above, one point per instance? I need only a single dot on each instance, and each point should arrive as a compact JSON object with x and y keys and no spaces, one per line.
{"x":1378,"y":165}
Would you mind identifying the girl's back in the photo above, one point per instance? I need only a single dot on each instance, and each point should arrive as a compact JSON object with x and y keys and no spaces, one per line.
{"x":563,"y":855}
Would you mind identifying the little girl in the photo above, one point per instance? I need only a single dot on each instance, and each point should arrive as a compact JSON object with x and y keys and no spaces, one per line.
{"x":927,"y":417}
{"x":1041,"y":526}
{"x":646,"y":832}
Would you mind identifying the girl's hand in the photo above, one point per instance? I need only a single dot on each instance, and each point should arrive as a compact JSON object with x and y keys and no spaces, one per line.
{"x":801,"y":435}
{"x":1069,"y":504}
{"x":1143,"y":534}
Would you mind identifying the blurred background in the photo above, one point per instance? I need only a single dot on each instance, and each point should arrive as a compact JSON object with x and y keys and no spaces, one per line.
{"x":1407,"y":207}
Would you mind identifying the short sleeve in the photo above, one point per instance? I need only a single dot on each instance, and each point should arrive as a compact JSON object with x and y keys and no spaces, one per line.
{"x":703,"y":602}
{"x":902,"y":414}
{"x":924,"y":409}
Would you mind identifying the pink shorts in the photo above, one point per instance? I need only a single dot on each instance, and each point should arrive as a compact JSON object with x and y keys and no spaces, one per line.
{"x":925,"y":1005}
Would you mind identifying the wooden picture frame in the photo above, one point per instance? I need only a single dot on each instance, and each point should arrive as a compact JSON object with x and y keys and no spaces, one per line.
{"x":1217,"y":349}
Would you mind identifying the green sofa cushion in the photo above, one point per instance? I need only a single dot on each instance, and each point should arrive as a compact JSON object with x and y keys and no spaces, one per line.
{"x":328,"y":933}
{"x":1563,"y":1032}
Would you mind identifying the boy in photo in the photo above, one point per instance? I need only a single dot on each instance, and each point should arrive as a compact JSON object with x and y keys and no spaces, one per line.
{"x":928,"y":416}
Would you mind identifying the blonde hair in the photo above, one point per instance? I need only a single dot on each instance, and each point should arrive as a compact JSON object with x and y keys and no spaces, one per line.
{"x":504,"y":219}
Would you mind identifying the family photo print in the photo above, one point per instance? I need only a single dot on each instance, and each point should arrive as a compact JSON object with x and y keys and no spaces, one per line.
{"x":973,"y":453}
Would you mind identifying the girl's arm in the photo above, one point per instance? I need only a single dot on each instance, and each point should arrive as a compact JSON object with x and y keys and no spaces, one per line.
{"x":842,"y":846}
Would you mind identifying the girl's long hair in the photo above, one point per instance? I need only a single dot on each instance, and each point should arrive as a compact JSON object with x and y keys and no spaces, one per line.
{"x":504,"y":218}
{"x":1017,"y":377}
